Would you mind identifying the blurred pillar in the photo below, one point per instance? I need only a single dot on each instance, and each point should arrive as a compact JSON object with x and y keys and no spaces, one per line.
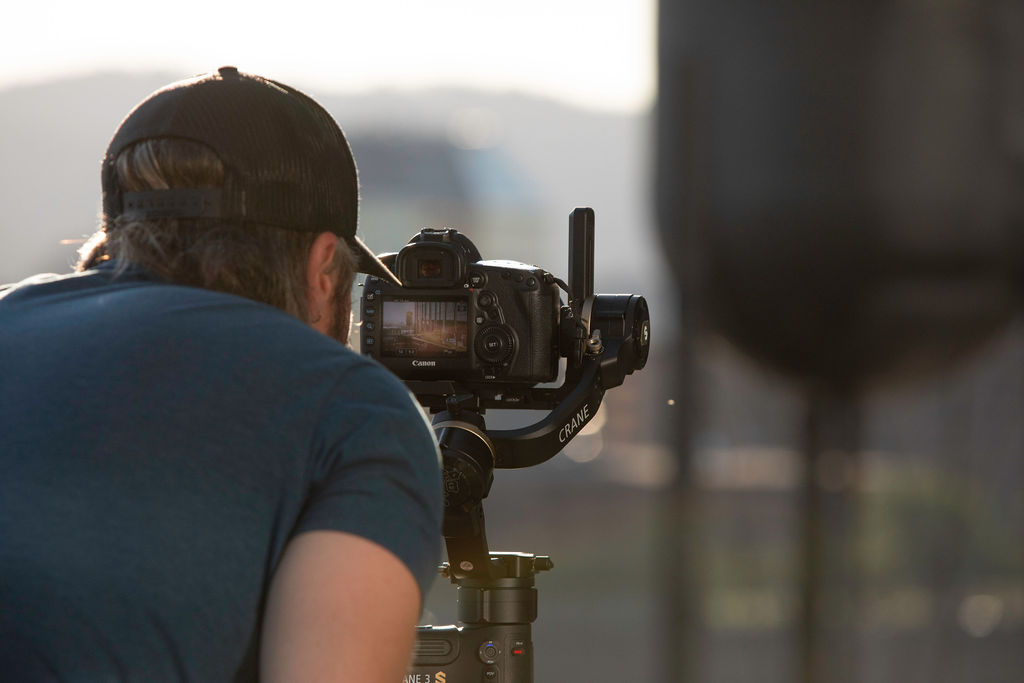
{"x":681,"y":205}
{"x":829,"y":581}
{"x":840,"y":195}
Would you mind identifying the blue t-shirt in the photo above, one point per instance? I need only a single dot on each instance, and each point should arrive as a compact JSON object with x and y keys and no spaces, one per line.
{"x":159,"y":446}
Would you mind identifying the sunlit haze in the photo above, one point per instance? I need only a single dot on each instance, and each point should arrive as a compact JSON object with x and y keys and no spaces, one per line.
{"x":595,"y":53}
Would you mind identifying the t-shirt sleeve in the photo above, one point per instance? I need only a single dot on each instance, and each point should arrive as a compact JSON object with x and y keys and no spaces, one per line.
{"x":375,"y":471}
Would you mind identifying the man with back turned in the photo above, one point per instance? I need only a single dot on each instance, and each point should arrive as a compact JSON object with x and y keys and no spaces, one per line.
{"x":198,"y":479}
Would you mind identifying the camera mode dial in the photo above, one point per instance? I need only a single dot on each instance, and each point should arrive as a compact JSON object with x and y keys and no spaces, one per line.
{"x":477,"y":279}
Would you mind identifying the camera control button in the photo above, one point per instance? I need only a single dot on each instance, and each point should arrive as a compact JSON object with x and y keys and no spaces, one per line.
{"x":476,"y":279}
{"x":490,"y":674}
{"x":370,"y":310}
{"x":369,"y":341}
{"x":370,"y":296}
{"x":495,"y":344}
{"x":489,"y":652}
{"x":479,"y":320}
{"x":486,"y":299}
{"x":531,"y":282}
{"x":368,"y":325}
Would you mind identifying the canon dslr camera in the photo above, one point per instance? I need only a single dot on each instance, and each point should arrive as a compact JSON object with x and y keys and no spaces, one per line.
{"x":468,"y":336}
{"x":459,"y":318}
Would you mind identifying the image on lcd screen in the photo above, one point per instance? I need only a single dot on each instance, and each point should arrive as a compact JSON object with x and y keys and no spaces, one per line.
{"x":424,"y":329}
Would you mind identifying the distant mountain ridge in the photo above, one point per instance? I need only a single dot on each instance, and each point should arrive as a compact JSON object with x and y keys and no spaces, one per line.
{"x":53,"y":136}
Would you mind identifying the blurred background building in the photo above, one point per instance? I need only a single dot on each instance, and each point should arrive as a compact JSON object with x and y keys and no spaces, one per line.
{"x":818,"y":475}
{"x":841,"y":185}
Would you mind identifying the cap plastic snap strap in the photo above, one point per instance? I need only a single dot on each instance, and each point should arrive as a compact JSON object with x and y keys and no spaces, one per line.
{"x":174,"y":203}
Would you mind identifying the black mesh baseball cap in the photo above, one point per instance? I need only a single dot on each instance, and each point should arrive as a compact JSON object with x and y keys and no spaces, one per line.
{"x":287,"y":163}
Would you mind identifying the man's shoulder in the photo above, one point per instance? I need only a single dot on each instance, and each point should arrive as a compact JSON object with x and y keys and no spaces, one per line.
{"x":132,"y":311}
{"x":42,"y":288}
{"x":260,"y":340}
{"x":31,"y":284}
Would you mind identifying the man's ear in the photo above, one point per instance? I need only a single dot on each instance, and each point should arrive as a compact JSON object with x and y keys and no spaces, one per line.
{"x":320,"y":281}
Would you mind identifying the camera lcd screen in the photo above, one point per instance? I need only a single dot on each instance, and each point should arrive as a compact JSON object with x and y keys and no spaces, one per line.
{"x":420,"y":328}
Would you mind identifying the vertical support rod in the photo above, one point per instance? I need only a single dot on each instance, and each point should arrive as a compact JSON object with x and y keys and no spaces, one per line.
{"x":828,"y":631}
{"x":581,"y":255}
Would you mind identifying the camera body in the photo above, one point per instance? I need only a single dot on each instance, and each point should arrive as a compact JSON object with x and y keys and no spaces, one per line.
{"x":456,"y":317}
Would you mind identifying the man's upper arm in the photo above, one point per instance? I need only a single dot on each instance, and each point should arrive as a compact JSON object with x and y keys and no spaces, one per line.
{"x":375,"y":471}
{"x":346,"y":594}
{"x":340,"y":607}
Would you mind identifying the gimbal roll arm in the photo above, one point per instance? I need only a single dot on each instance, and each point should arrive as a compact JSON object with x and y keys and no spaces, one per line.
{"x":541,"y":441}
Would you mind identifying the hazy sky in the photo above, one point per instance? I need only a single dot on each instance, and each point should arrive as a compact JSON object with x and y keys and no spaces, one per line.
{"x":592,"y":52}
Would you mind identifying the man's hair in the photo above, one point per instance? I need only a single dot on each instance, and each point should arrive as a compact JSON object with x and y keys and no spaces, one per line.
{"x":261,"y":262}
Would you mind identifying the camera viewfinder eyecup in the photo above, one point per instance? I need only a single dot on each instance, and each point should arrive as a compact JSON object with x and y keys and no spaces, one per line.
{"x":440,"y":260}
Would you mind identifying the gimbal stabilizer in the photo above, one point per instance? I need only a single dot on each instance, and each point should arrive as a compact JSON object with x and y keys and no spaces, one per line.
{"x":604,"y":338}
